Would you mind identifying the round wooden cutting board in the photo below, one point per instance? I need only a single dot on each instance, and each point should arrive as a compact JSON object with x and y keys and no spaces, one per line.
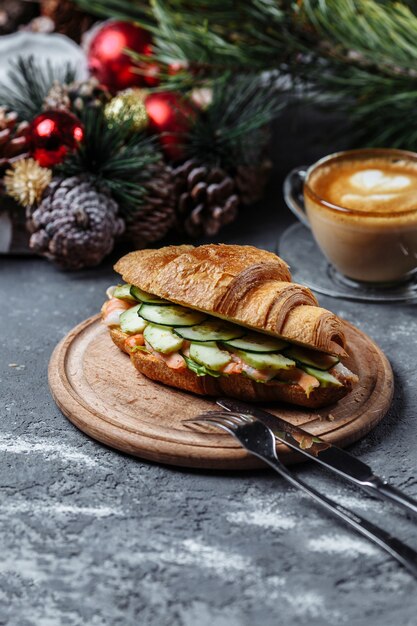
{"x":98,"y":389}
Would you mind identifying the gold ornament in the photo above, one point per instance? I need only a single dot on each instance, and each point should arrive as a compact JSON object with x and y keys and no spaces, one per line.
{"x":128,"y":107}
{"x":26,"y":181}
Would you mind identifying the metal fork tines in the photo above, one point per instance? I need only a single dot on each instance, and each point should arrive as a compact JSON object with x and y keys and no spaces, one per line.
{"x":259,"y":440}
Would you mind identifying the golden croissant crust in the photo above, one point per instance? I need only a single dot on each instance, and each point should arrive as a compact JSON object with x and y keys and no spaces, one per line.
{"x":242,"y":284}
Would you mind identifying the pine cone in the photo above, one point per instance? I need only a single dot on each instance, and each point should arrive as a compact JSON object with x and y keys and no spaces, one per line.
{"x":76,"y":96}
{"x":39,"y":24}
{"x":206,"y":198}
{"x":67,"y":17}
{"x":13,"y":141}
{"x":157,"y":216}
{"x":251,"y":181}
{"x":13,"y":13}
{"x":75,"y":224}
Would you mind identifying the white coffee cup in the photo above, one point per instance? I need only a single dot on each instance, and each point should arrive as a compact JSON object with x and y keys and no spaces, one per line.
{"x":361,"y":206}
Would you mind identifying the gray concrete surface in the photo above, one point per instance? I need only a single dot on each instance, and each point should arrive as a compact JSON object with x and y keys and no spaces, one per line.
{"x":92,"y":537}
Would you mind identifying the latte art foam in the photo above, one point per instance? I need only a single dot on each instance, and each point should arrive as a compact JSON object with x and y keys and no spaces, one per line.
{"x":378,"y":184}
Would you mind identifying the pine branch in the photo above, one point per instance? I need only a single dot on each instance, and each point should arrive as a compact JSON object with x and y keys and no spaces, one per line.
{"x":135,"y":11}
{"x":361,"y":58}
{"x":32,"y":82}
{"x":213,"y":35}
{"x":365,"y":33}
{"x":114,"y":157}
{"x":232,"y":129}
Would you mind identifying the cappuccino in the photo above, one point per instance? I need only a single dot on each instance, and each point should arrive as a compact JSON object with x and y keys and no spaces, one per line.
{"x":373,"y":184}
{"x":362,"y":209}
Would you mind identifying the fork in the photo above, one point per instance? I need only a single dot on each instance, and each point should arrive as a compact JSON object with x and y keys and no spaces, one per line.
{"x":259,"y":440}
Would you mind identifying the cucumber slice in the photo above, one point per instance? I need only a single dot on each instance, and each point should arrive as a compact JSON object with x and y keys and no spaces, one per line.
{"x":173,"y":315}
{"x":211,"y":330}
{"x":325,"y":379}
{"x":148,"y":298}
{"x":267,"y":361}
{"x":210,"y":355}
{"x":319,"y":360}
{"x":255,"y":342}
{"x":123,"y":292}
{"x":131,"y":322}
{"x":162,"y":339}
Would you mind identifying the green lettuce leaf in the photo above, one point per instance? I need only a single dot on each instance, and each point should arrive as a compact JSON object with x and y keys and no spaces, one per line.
{"x":200,"y":370}
{"x":139,"y":349}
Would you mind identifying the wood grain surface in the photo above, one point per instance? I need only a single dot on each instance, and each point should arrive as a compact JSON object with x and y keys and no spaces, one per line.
{"x":97,"y":388}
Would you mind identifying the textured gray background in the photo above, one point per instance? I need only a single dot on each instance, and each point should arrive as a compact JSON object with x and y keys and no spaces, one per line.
{"x":92,"y":537}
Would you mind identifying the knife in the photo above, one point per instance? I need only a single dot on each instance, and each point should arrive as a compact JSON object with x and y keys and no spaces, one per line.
{"x":327,"y":454}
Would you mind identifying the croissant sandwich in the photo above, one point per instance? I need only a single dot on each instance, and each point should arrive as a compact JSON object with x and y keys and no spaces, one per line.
{"x":227,"y":320}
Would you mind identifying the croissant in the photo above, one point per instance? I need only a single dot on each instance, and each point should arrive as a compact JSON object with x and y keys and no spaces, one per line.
{"x":245,"y":289}
{"x":242,"y":284}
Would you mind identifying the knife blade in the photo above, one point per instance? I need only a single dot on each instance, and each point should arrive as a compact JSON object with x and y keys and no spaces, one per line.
{"x":325,"y":453}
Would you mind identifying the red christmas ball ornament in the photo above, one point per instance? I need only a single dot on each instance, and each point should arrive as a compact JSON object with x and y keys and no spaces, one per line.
{"x":171,"y":116}
{"x":109,"y":63}
{"x":52,"y":135}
